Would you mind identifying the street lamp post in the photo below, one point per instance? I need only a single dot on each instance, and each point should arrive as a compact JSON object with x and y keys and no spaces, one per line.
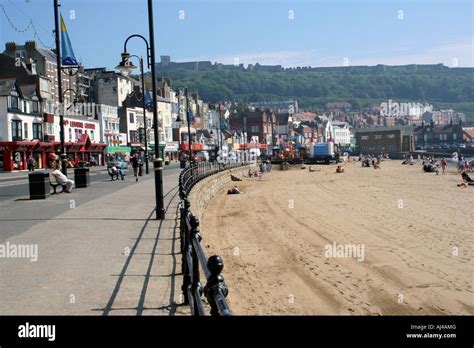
{"x":60,"y":86}
{"x":126,"y":67}
{"x":122,"y":66}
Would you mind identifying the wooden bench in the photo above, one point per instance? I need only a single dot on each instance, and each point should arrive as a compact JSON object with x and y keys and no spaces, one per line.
{"x":54,"y":184}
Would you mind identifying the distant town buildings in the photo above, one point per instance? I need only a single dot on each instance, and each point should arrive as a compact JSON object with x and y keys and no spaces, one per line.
{"x":287,"y":106}
{"x":431,"y":134}
{"x":395,"y":109}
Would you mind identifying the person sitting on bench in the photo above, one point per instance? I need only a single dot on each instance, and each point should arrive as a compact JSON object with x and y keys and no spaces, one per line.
{"x":118,"y":171}
{"x":61,"y":178}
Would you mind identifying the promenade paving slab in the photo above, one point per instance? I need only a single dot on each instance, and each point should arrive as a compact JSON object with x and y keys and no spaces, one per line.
{"x":105,"y":256}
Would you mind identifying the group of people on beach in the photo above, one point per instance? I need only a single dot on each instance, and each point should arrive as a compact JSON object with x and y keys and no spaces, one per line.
{"x":430,"y":164}
{"x":372,"y":160}
{"x":264,"y":167}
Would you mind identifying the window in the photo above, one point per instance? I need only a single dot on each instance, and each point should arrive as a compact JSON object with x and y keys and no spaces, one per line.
{"x":454,"y":136}
{"x":134,"y":137}
{"x":131,"y":117}
{"x":17,"y":131}
{"x":92,"y":135}
{"x":35,"y":106}
{"x":364,"y":137}
{"x":70,"y":134}
{"x":378,"y":137}
{"x":37,"y":131}
{"x":14,"y":100}
{"x":254,"y":129}
{"x":78,"y":133}
{"x":44,"y":85}
{"x":392,"y":136}
{"x":26,"y":131}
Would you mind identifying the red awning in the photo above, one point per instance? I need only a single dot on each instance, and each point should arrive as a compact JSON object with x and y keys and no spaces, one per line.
{"x":194,"y":147}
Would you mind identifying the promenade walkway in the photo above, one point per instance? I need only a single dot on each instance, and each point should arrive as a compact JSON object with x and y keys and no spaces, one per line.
{"x":100,"y":252}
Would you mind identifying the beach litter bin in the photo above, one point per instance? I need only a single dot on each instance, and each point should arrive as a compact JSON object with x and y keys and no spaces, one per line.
{"x":81,"y":177}
{"x":39,"y":185}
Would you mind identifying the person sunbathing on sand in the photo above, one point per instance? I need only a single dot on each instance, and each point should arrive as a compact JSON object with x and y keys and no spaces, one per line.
{"x":339,"y":169}
{"x":233,"y":191}
{"x":466,"y":180}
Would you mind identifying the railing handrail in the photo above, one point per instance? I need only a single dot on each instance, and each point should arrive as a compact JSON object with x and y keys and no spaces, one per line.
{"x":193,"y":255}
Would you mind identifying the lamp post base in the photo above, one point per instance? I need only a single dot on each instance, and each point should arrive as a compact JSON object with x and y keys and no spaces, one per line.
{"x":63,"y":158}
{"x":160,"y":207}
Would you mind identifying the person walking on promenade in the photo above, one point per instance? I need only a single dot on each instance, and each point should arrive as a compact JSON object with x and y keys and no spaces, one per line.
{"x":31,"y":164}
{"x":135,"y":163}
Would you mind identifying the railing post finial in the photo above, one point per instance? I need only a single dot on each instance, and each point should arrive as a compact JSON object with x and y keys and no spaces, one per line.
{"x":215,"y":282}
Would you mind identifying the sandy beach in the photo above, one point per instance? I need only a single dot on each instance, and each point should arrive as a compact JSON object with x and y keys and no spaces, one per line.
{"x":286,"y":242}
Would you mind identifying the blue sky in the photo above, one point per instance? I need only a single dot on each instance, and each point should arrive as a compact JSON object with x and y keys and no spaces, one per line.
{"x":286,"y":32}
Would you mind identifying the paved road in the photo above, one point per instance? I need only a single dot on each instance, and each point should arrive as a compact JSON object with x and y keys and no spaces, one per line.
{"x":100,"y":251}
{"x":17,"y":186}
{"x":18,"y":213}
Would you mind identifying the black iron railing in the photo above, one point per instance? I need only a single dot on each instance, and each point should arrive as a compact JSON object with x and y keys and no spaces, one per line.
{"x":193,"y":255}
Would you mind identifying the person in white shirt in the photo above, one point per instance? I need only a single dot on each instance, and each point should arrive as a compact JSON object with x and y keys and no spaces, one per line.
{"x":61,"y":178}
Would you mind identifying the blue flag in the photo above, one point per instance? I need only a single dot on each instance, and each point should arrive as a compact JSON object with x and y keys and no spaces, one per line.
{"x":68,"y":57}
{"x":148,"y":100}
{"x":191,"y":115}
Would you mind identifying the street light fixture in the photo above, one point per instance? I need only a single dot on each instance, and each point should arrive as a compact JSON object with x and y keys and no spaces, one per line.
{"x":157,"y":162}
{"x":126,"y":67}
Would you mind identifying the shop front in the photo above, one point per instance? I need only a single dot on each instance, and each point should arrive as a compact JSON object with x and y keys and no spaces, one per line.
{"x":171,"y":150}
{"x":15,"y":154}
{"x":85,"y":151}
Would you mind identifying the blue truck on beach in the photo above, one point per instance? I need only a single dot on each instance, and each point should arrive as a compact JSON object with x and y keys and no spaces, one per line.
{"x":323,"y":152}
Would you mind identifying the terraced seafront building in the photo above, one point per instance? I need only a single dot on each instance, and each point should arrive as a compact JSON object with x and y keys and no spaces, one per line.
{"x":391,"y":140}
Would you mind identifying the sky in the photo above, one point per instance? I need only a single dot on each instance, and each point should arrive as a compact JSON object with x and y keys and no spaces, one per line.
{"x":287,"y":32}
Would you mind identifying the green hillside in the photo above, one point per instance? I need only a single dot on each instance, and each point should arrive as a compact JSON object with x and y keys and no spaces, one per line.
{"x":436,"y":84}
